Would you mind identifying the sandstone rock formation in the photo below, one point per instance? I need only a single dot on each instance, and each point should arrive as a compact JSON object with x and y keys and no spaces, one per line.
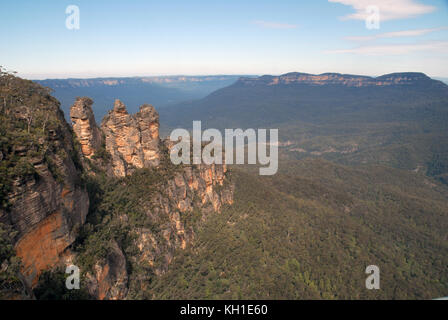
{"x":85,"y":127}
{"x":132,"y":140}
{"x":133,"y":143}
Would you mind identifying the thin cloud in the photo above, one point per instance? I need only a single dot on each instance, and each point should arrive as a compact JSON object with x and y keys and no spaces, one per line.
{"x":274,"y":25}
{"x":396,"y":34}
{"x":396,"y":49}
{"x":389,"y":9}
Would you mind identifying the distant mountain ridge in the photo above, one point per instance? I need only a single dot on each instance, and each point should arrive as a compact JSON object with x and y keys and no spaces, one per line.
{"x":348,"y":80}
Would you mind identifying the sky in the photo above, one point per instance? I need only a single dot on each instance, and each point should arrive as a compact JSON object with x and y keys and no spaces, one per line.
{"x":174,"y":37}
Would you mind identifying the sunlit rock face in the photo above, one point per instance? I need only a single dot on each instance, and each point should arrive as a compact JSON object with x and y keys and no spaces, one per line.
{"x":132,"y":140}
{"x":85,"y":127}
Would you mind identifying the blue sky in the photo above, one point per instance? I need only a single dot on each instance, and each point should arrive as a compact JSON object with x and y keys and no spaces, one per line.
{"x":136,"y":37}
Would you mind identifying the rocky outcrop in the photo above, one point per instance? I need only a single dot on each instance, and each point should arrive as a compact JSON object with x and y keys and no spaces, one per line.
{"x":199,"y":181}
{"x":133,"y":143}
{"x":84,"y":126}
{"x":132,"y":140}
{"x":110,"y":279}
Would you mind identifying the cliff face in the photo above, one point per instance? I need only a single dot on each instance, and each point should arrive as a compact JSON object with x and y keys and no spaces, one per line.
{"x":46,"y":213}
{"x":44,"y":200}
{"x":132,"y":140}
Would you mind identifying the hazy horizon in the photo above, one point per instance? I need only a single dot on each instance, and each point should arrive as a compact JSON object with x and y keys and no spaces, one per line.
{"x":220,"y":75}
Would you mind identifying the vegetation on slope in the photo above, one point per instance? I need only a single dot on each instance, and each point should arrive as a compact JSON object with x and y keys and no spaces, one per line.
{"x":311,"y":231}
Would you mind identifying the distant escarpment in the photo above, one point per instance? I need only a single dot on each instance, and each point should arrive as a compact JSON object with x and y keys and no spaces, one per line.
{"x":106,"y":199}
{"x":291,"y":99}
{"x":347,"y":80}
